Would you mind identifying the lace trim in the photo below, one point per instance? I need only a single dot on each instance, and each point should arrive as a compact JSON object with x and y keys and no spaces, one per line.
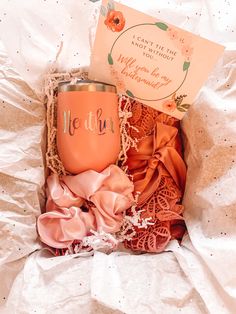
{"x":161,"y":208}
{"x":144,"y":118}
{"x":153,"y":239}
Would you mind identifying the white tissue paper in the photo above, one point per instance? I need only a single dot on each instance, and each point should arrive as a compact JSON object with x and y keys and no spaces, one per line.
{"x":197,"y":277}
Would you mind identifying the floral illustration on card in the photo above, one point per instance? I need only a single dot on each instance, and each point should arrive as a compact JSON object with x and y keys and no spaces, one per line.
{"x":175,"y":103}
{"x":182,"y":43}
{"x":114,"y":20}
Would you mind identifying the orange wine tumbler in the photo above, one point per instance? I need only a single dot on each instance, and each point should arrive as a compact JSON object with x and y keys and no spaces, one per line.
{"x":88,"y":133}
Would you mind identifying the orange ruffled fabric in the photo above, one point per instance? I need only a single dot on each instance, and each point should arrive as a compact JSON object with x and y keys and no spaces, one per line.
{"x":159,"y":175}
{"x":157,"y":153}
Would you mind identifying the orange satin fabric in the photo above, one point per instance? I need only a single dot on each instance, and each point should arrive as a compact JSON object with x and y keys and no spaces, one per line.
{"x":159,"y":175}
{"x":157,"y":154}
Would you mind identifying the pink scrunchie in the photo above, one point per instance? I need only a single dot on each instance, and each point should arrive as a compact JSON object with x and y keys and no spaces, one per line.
{"x":110,"y":193}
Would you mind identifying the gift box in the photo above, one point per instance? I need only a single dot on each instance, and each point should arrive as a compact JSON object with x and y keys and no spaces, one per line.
{"x":195,"y":277}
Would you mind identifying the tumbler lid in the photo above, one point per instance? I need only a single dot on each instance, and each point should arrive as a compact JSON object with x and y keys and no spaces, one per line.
{"x":86,"y":85}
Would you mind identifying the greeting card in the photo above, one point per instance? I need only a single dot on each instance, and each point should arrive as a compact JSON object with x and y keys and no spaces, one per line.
{"x":150,"y":60}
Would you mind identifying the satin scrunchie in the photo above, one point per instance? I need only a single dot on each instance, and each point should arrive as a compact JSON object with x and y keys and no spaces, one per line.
{"x":109,"y":194}
{"x":157,"y":154}
{"x":59,"y":228}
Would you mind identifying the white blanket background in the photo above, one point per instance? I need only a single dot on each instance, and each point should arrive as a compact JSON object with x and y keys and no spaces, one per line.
{"x":199,"y":276}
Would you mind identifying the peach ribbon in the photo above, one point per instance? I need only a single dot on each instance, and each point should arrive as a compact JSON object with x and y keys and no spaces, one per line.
{"x":109,"y":194}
